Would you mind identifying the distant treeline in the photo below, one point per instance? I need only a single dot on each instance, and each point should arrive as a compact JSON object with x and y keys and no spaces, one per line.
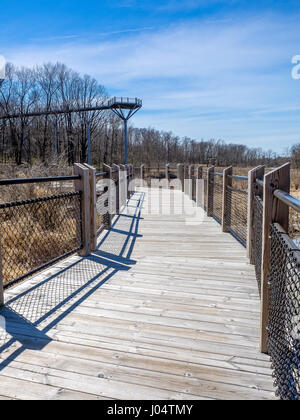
{"x":55,"y":86}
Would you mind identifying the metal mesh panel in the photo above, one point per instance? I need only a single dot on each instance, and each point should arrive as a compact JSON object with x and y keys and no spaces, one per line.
{"x":284,"y":318}
{"x":35,"y":232}
{"x":110,"y":197}
{"x":294,"y":224}
{"x":117,"y":192}
{"x":257,"y":238}
{"x":172,"y":173}
{"x":100,"y":222}
{"x":194,"y":187}
{"x":10,"y":193}
{"x":102,"y":214}
{"x":123,"y":188}
{"x":205,"y":189}
{"x":217,"y":200}
{"x":147,"y":176}
{"x":236,"y":212}
{"x":128,"y":184}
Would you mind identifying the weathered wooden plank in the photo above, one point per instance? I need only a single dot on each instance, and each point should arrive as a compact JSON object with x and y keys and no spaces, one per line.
{"x":98,"y":373}
{"x":177,"y":318}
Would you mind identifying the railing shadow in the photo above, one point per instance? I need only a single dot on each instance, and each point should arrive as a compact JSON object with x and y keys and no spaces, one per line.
{"x":119,"y":241}
{"x":36,"y":311}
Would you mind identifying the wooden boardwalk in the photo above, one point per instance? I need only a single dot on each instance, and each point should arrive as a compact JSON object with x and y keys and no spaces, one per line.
{"x":166,"y":308}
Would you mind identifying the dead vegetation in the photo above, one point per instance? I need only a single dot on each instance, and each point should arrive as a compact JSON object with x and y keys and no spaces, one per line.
{"x":28,"y":242}
{"x":31,"y":235}
{"x":27,"y":191}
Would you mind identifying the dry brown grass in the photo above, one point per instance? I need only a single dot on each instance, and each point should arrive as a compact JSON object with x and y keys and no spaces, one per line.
{"x":30,"y":240}
{"x":28,"y":243}
{"x":32,"y":237}
{"x":294,"y":221}
{"x":26,"y":191}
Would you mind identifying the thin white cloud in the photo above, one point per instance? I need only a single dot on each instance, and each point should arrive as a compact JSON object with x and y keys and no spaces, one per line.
{"x":55,"y":38}
{"x":124,"y":31}
{"x":194,"y":69}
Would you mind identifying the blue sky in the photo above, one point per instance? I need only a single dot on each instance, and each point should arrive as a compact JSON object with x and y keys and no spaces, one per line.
{"x":204,"y":69}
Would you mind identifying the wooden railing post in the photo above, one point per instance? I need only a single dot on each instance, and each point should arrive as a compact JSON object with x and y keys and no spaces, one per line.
{"x":83,"y":185}
{"x":130,"y":178}
{"x":132,"y":171}
{"x":142,"y":174}
{"x":108,"y":176}
{"x":225,"y":210}
{"x":199,"y":187}
{"x":127,"y":169}
{"x":253,"y":174}
{"x":186,"y":179}
{"x":167,"y":174}
{"x":210,"y":190}
{"x":117,"y":167}
{"x":93,"y":210}
{"x":191,"y":168}
{"x":199,"y":172}
{"x":273,"y":211}
{"x":167,"y":177}
{"x":124,"y":185}
{"x":180,"y":175}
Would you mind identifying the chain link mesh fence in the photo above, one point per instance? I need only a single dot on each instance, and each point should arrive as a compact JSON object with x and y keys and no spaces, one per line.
{"x":193,"y":187}
{"x":217,"y":198}
{"x":117,"y":191}
{"x":257,"y":238}
{"x":204,"y":190}
{"x":172,"y":172}
{"x":35,"y":232}
{"x":294,"y":225}
{"x":18,"y":192}
{"x":284,"y":315}
{"x":102,"y":210}
{"x":236,"y":213}
{"x":111,"y":196}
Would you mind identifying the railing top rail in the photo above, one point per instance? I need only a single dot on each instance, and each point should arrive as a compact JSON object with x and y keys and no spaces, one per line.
{"x":288,"y":199}
{"x":124,"y":100}
{"x":240,"y":177}
{"x":260,"y":182}
{"x":102,"y":173}
{"x":283,"y":196}
{"x":37,"y":200}
{"x":38,"y":180}
{"x":99,"y":107}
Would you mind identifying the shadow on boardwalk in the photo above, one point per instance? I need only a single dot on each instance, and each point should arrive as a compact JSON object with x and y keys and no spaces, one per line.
{"x":52,"y":295}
